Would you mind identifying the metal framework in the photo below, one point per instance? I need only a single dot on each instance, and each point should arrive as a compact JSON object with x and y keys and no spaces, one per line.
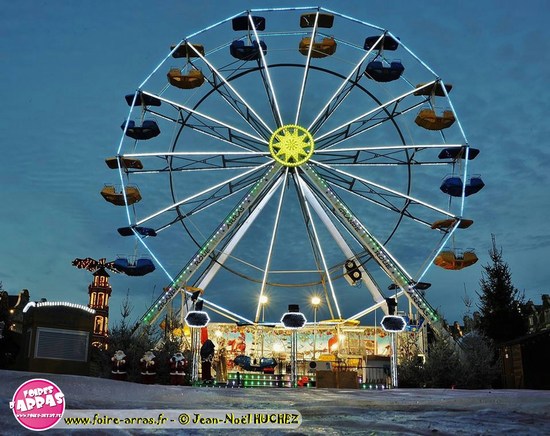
{"x":237,"y":147}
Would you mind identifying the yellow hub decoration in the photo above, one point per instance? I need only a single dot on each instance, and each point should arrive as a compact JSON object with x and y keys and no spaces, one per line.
{"x":291,"y":145}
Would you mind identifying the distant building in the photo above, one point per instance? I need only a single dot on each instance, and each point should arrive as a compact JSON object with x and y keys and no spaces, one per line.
{"x":525,"y":360}
{"x":44,"y":336}
{"x":56,"y":338}
{"x":538,"y":316}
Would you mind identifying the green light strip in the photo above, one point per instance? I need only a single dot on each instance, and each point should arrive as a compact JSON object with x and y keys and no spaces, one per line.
{"x":377,"y":250}
{"x":234,"y":217}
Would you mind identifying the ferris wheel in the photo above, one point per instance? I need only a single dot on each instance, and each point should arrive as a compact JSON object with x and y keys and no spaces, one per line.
{"x":287,"y":152}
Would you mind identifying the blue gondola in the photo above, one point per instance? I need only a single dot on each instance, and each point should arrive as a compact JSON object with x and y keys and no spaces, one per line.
{"x":452,"y":185}
{"x":142,"y":99}
{"x":243,"y":23}
{"x":144,"y":231}
{"x":377,"y":71}
{"x":148,"y":129}
{"x":140,"y":267}
{"x":240,"y":50}
{"x":458,"y":153}
{"x":387,"y":43}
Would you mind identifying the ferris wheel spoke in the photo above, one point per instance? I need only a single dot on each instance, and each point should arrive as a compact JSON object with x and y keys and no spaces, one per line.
{"x":224,"y":193}
{"x":199,"y":194}
{"x":242,"y":109}
{"x":182,"y":161}
{"x":272,"y":95}
{"x":383,"y":155}
{"x":233,"y":220}
{"x":339,"y":95}
{"x":366,"y":121}
{"x":226,"y":82}
{"x":347,"y":181}
{"x":271,"y":245}
{"x":219,"y":129}
{"x":380,"y":305}
{"x":306,"y":70}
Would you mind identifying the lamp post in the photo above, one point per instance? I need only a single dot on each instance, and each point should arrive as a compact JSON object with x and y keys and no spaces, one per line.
{"x":315,"y":301}
{"x":263,"y":301}
{"x":196,"y":319}
{"x":393,"y":324}
{"x":293,"y":320}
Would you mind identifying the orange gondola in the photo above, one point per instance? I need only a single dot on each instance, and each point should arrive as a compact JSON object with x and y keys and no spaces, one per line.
{"x":125,"y":162}
{"x":450,"y":222}
{"x":456,"y":259}
{"x":110,"y":193}
{"x":192,"y":79}
{"x":428,"y":119}
{"x":321,"y":49}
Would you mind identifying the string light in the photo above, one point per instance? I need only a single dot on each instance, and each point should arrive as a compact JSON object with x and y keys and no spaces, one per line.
{"x":57,"y":304}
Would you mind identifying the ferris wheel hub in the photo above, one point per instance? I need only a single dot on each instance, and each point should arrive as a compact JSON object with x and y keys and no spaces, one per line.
{"x":291,"y":145}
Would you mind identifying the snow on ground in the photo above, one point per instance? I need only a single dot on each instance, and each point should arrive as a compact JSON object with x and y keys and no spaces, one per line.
{"x":324,"y":411}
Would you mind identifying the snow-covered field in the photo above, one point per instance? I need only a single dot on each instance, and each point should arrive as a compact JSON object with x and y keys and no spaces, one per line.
{"x":324,"y":411}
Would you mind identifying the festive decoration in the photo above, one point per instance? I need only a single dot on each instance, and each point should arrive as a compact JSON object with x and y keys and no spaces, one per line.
{"x":99,"y":292}
{"x":118,"y":365}
{"x":93,"y":265}
{"x":177,"y":373}
{"x":148,"y":368}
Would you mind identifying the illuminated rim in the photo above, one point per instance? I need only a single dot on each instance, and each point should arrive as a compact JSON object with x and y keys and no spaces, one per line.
{"x":291,"y":145}
{"x":261,"y":152}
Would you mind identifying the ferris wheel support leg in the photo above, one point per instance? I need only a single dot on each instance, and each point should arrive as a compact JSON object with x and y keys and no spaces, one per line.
{"x":378,"y":252}
{"x":195,"y":352}
{"x":366,"y":277}
{"x":270,"y":252}
{"x":235,"y":217}
{"x":319,"y":248}
{"x":234,"y":240}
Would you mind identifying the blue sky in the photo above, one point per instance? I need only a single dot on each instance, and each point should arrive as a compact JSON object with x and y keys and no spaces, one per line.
{"x":67,"y":66}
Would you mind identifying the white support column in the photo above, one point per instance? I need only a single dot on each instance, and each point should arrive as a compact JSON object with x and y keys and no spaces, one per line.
{"x":365,"y":276}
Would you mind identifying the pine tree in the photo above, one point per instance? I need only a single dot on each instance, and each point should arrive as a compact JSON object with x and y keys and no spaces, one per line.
{"x":500,"y":302}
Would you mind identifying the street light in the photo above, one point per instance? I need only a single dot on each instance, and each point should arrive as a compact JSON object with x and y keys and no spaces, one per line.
{"x":315,"y":301}
{"x":196,"y":319}
{"x":263,"y":301}
{"x":293,"y":320}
